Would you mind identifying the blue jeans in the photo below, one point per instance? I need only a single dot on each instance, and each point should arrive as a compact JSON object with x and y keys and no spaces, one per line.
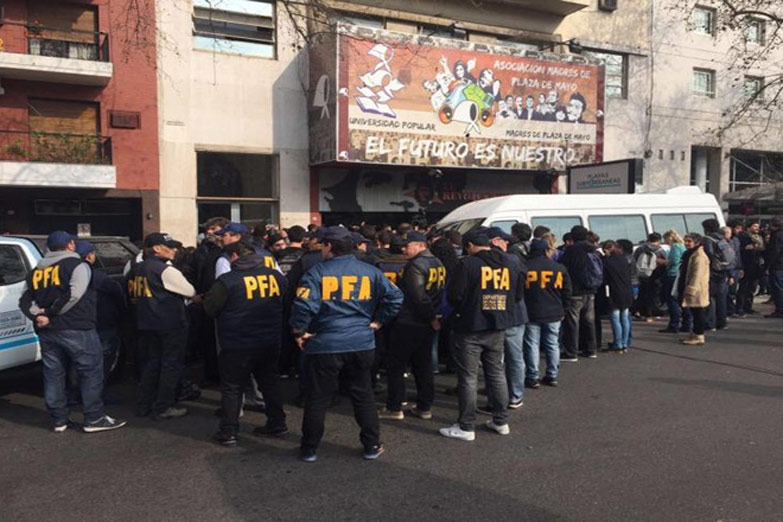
{"x":546,"y":334}
{"x":515,"y":362}
{"x":675,"y":311}
{"x":719,"y":300}
{"x":621,"y":328}
{"x":83,"y":349}
{"x":776,"y":289}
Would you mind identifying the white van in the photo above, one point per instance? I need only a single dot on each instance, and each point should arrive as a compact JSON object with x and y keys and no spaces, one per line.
{"x":611,"y":216}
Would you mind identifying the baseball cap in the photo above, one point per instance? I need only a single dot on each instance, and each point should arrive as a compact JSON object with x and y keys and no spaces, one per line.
{"x":58,"y":240}
{"x":160,"y":238}
{"x":234,"y":228}
{"x":493,"y":232}
{"x":539,"y":245}
{"x":358,"y":239}
{"x":413,"y":236}
{"x":83,"y":248}
{"x":478,"y":236}
{"x":335,"y":234}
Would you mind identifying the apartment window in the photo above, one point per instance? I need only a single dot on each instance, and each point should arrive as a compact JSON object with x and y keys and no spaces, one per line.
{"x":64,"y":30}
{"x":703,"y":20}
{"x":704,"y":82}
{"x":755,"y":31}
{"x":616,"y":67}
{"x":235,"y":26}
{"x":364,"y":20}
{"x":754,"y":88}
{"x":241,"y":187}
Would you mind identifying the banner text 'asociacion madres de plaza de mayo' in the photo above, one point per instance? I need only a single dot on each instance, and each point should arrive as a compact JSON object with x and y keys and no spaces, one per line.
{"x":413,"y":100}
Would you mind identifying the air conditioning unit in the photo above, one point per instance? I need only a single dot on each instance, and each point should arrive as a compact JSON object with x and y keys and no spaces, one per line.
{"x":607,"y":5}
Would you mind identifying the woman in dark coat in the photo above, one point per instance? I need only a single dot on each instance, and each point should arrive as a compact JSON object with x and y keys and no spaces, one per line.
{"x":619,"y":295}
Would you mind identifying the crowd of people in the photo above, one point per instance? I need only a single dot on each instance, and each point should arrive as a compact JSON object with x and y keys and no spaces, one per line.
{"x":352,"y":310}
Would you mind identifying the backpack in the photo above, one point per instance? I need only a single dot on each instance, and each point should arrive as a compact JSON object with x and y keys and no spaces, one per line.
{"x":593,"y":276}
{"x":646,"y":264}
{"x":722,"y":257}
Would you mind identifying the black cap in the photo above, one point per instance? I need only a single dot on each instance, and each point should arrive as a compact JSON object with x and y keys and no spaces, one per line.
{"x":160,"y":238}
{"x":538,"y":245}
{"x":493,"y":232}
{"x":335,"y":234}
{"x":413,"y":236}
{"x":358,"y":239}
{"x":478,"y":236}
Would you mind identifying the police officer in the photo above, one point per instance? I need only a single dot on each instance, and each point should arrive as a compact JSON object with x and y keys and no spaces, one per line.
{"x":514,"y":360}
{"x":413,"y":332}
{"x":233,"y":233}
{"x":484,"y":292}
{"x":339,"y":304}
{"x":391,"y":264}
{"x":61,"y":304}
{"x":247,"y":303}
{"x":159,"y":290}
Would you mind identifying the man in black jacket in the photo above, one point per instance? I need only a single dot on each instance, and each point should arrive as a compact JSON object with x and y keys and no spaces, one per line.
{"x":721,"y":260}
{"x":159,"y":291}
{"x":484,"y":292}
{"x":412,"y":334}
{"x":774,"y":265}
{"x":547,"y":289}
{"x":204,"y":259}
{"x":247,"y":303}
{"x":579,"y":320}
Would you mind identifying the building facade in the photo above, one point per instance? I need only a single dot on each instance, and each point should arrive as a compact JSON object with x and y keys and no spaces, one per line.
{"x":78,"y":118}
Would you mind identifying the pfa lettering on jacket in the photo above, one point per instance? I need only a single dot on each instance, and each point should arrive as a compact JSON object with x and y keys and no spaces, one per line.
{"x":346,"y":288}
{"x":495,"y":279}
{"x":544,"y":278}
{"x":436,"y":277}
{"x":139,"y":287}
{"x":46,"y":277}
{"x":262,"y":286}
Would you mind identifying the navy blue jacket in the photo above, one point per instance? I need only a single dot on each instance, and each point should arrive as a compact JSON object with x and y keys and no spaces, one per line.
{"x":337,"y":299}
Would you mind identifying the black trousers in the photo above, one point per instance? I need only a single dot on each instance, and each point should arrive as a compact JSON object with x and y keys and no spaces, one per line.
{"x":208,"y":346}
{"x":322,"y":372}
{"x":699,"y":320}
{"x":235,"y":369}
{"x":163,"y":353}
{"x":747,"y":289}
{"x":410,"y":343}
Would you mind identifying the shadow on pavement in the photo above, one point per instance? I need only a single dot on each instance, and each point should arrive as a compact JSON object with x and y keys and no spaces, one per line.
{"x":710,"y":361}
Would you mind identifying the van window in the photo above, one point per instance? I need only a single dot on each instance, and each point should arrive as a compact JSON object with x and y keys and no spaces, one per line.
{"x":694,"y":221}
{"x":13,"y":268}
{"x":112,"y":256}
{"x":682,"y":223}
{"x":632,"y":228}
{"x":463,"y":226}
{"x":663,"y":222}
{"x":505,"y":226}
{"x":558,"y":225}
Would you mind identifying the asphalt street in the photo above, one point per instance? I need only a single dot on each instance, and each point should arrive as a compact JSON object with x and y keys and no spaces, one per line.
{"x":664,"y":433}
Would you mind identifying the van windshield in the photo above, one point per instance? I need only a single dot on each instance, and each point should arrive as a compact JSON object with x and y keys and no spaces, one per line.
{"x":462,"y":227}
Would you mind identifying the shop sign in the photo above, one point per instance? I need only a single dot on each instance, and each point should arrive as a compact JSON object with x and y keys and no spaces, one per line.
{"x":613,"y":177}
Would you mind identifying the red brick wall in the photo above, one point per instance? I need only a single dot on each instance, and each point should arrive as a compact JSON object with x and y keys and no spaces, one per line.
{"x":133,"y":88}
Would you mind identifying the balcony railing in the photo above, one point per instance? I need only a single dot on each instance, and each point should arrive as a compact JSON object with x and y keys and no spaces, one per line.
{"x":54,"y":147}
{"x":64,"y":43}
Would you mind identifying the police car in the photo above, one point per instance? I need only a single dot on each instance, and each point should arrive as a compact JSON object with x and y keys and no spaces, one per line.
{"x":18,"y":256}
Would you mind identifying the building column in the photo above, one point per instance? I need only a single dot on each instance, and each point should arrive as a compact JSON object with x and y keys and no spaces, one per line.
{"x":719,"y":163}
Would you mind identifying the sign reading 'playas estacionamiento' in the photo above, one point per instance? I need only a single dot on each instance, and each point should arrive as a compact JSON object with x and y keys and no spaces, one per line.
{"x":406,"y":99}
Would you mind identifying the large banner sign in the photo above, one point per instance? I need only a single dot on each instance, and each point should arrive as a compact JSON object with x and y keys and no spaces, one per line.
{"x":406,"y":99}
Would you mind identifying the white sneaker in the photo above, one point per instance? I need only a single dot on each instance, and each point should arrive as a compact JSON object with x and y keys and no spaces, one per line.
{"x":499,"y":429}
{"x":455,"y":432}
